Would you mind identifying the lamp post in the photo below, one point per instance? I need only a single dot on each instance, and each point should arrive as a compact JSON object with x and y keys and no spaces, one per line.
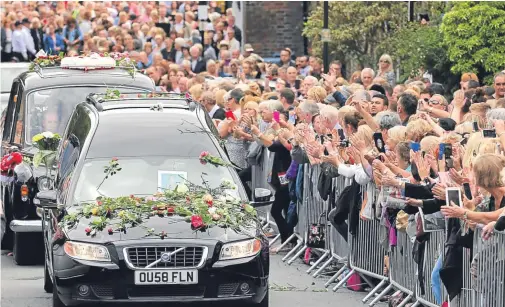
{"x":325,"y":37}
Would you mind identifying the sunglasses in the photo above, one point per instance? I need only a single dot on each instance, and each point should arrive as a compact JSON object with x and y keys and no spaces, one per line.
{"x":435,"y":102}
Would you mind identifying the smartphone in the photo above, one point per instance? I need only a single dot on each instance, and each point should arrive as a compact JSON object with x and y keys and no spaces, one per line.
{"x":379,"y":142}
{"x":415,"y":146}
{"x":453,"y":195}
{"x":468,"y":192}
{"x":341,"y":134}
{"x":292,"y":119}
{"x":230,"y":115}
{"x":441,"y":150}
{"x":475,"y":126}
{"x":277,"y":115}
{"x":489,"y":133}
{"x":447,"y":151}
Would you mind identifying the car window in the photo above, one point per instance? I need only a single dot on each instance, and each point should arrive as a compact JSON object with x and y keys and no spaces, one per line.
{"x":146,"y":176}
{"x":50,"y":109}
{"x":10,"y":112}
{"x":66,"y":165}
{"x":19,"y":120}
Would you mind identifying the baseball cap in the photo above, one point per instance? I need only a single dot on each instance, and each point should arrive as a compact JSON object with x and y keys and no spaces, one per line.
{"x":248,"y":48}
{"x":378,"y":88}
{"x":469,"y":76}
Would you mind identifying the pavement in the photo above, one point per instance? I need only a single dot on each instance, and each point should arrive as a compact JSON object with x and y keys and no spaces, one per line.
{"x":290,"y":286}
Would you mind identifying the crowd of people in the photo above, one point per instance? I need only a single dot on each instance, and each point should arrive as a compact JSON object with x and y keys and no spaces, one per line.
{"x":400,"y":144}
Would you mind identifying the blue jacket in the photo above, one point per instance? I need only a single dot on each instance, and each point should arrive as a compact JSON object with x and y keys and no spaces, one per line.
{"x":50,"y":45}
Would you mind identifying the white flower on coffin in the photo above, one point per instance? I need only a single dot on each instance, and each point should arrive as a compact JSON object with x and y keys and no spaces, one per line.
{"x":181,"y":188}
{"x":212,"y":210}
{"x":40,"y":53}
{"x":48,"y":134}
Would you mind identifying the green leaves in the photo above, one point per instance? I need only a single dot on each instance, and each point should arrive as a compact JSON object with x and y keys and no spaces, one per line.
{"x":46,"y":156}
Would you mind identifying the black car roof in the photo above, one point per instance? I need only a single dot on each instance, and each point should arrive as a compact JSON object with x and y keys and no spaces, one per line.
{"x":56,"y":76}
{"x":143,"y":132}
{"x":141,"y":100}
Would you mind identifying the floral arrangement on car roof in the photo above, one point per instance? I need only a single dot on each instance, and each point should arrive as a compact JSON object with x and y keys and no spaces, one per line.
{"x":44,"y":60}
{"x":201,"y":206}
{"x":47,"y":144}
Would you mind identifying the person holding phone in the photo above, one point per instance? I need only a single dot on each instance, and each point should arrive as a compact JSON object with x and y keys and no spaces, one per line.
{"x":234,"y":146}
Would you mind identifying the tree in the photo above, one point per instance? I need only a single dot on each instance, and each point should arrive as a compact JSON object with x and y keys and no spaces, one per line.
{"x":356,"y":28}
{"x":474,"y":35}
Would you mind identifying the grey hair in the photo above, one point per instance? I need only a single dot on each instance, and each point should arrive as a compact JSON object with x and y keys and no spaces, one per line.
{"x":309,"y":107}
{"x":362,"y":95}
{"x":368,"y":70}
{"x":388,"y":120}
{"x":495,"y":114}
{"x":311,"y":78}
{"x":328,"y":112}
{"x":272,"y":105}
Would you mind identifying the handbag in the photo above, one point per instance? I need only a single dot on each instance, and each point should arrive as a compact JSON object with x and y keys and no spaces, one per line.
{"x":317,"y":234}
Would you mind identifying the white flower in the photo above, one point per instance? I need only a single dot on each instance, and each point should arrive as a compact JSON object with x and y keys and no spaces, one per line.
{"x":212,"y":210}
{"x":48,"y":135}
{"x":229,"y":198}
{"x":181,"y":188}
{"x":40,"y":53}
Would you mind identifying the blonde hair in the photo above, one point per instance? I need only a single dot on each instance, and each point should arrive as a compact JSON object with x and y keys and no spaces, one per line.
{"x":417,"y":129}
{"x":343,"y":111}
{"x":397,"y":134}
{"x":317,"y":93}
{"x":414,"y":90}
{"x":488,"y":170}
{"x":429,"y":144}
{"x":220,"y":97}
{"x":477,"y":145}
{"x":387,"y":58}
{"x":196,"y":91}
{"x":365,"y":133}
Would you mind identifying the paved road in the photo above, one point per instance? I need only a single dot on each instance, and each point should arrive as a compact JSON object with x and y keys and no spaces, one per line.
{"x":290,"y":286}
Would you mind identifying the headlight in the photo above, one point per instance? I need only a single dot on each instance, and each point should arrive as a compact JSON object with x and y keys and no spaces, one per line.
{"x":44,"y":183}
{"x":85,"y":251}
{"x":240,"y":249}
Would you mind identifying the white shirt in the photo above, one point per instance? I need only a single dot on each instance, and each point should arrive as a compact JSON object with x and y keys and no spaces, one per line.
{"x":234,"y":45}
{"x":30,"y":45}
{"x":18,"y":43}
{"x":213,"y":111}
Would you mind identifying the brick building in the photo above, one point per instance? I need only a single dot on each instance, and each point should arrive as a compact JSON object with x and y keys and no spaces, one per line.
{"x":270,"y":26}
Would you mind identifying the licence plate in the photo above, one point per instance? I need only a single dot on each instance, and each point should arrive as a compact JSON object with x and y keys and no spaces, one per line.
{"x":166,"y":277}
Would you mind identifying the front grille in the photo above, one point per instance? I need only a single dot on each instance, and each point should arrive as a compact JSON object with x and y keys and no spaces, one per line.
{"x":104,"y":291}
{"x":140,"y":257}
{"x":167,"y":291}
{"x":227,"y":289}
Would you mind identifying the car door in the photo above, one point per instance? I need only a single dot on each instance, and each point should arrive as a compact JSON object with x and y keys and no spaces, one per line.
{"x":69,"y":153}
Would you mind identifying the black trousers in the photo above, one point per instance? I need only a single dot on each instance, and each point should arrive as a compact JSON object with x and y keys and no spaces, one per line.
{"x":246,"y":176}
{"x":279,"y":206}
{"x":340,"y":226}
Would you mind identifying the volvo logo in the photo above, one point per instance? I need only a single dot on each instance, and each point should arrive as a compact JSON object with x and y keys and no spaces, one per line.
{"x":166,"y":257}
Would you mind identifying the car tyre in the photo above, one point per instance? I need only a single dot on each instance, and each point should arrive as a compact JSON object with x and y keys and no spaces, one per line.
{"x":48,"y":283}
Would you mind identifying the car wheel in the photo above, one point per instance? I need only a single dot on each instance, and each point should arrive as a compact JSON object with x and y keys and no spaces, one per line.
{"x":27,"y":248}
{"x":48,"y":283}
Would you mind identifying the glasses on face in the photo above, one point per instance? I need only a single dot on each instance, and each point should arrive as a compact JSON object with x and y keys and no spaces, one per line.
{"x":434,"y":102}
{"x":383,"y":61}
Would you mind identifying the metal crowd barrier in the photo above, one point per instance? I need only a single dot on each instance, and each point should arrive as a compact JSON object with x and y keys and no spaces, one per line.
{"x":483,"y":272}
{"x":488,"y":281}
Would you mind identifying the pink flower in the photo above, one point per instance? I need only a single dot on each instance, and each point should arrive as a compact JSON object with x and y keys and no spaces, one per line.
{"x":87,"y":230}
{"x":197,"y":222}
{"x":99,"y":202}
{"x":110,"y":230}
{"x":203,"y":154}
{"x":114,"y":159}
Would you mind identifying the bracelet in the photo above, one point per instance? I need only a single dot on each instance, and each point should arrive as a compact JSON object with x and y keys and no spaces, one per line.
{"x":465,"y":215}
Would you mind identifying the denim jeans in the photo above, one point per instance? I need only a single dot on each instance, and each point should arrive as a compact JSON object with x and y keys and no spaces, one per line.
{"x":436,"y":282}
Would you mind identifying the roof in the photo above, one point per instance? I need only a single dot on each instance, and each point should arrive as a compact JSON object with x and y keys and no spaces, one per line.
{"x":142,"y":132}
{"x":56,"y":76}
{"x":140,"y":100}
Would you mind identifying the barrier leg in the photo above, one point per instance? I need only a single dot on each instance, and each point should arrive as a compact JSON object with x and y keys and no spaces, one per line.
{"x":367,"y":280}
{"x":372,"y":293}
{"x":277,"y":237}
{"x":417,"y":303}
{"x":316,"y":264}
{"x":297,"y":254}
{"x":332,"y":279}
{"x":344,"y":280}
{"x":285,"y":242}
{"x":290,"y":253}
{"x":381,"y":295}
{"x":327,"y":263}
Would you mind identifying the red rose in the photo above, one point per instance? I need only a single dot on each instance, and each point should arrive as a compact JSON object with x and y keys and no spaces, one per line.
{"x":87,"y":230}
{"x":210,"y":203}
{"x":170,"y":210}
{"x":154,"y":208}
{"x":110,"y":230}
{"x":132,"y":196}
{"x":196,"y":221}
{"x":204,"y":154}
{"x":99,"y":202}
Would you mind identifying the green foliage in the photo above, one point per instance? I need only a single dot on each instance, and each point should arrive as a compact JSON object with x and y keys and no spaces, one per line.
{"x":474,"y":34}
{"x":356,"y":28}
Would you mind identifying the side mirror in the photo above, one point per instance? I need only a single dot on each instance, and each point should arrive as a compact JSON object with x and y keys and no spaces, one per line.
{"x":46,"y":199}
{"x":262,"y":197}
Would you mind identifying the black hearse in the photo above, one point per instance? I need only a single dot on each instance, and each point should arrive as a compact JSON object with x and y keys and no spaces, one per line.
{"x":43,"y":100}
{"x":146,"y":137}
